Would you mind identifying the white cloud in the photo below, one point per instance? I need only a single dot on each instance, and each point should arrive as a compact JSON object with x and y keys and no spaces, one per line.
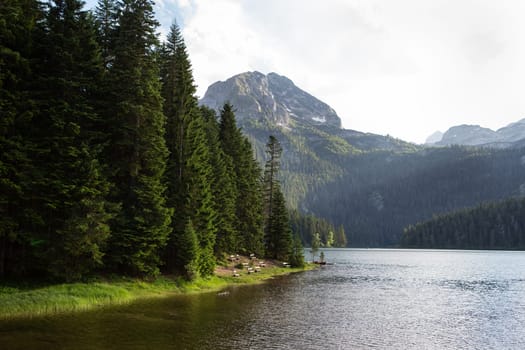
{"x":404,"y":68}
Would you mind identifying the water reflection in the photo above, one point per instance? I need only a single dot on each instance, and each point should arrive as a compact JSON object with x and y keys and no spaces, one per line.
{"x":386,"y":299}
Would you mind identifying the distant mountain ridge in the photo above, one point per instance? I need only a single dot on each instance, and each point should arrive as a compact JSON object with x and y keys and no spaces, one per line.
{"x":512,"y":135}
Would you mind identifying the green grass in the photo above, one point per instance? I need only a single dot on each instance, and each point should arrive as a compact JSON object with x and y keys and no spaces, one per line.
{"x":16,"y":302}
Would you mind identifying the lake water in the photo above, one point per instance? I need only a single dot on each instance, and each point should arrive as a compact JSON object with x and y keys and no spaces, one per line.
{"x":370,"y":299}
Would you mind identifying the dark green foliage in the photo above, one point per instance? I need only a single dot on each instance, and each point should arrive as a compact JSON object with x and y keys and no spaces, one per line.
{"x":383,"y":192}
{"x":278,"y":235}
{"x":315,"y":245}
{"x":271,"y":169}
{"x":297,"y":252}
{"x":495,"y":225}
{"x":17,"y":21}
{"x":224,"y":191}
{"x":188,"y":252}
{"x":308,"y":225}
{"x":106,"y":15}
{"x":189,"y":174}
{"x":199,"y":206}
{"x":69,"y":189}
{"x":137,"y":152}
{"x":96,"y":172}
{"x":340,"y":237}
{"x":249,"y":204}
{"x":80,"y":243}
{"x":279,"y":241}
{"x":180,"y":105}
{"x":177,"y":108}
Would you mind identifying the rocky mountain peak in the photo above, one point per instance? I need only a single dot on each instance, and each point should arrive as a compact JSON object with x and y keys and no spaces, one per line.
{"x":272,"y":98}
{"x":435,"y":137}
{"x":513,"y":132}
{"x":468,"y":135}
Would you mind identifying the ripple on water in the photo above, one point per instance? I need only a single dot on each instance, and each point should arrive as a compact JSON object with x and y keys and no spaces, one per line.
{"x":475,"y":285}
{"x":396,"y":299}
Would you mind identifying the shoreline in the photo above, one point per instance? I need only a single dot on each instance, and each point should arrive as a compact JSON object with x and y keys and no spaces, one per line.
{"x":19,"y":302}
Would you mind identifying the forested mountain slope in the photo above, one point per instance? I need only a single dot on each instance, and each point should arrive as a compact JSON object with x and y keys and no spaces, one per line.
{"x":495,"y":225}
{"x":107,"y":163}
{"x":315,"y":147}
{"x":382,"y":192}
{"x":373,"y":185}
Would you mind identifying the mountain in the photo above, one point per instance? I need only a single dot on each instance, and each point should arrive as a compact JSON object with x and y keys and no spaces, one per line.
{"x":315,"y":147}
{"x":274,"y":102}
{"x":435,"y":137}
{"x":372,"y":185}
{"x":270,"y":97}
{"x":512,"y":135}
{"x":513,"y":132}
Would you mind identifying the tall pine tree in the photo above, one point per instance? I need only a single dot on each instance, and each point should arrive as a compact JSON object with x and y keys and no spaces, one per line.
{"x":189,"y":174}
{"x":199,"y":205}
{"x":249,"y":204}
{"x":17,"y":22}
{"x":224,"y":192}
{"x":278,"y":234}
{"x":106,"y":15}
{"x":68,"y":192}
{"x":138,"y":151}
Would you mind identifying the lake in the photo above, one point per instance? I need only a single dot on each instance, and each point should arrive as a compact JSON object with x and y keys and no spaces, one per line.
{"x":369,"y":299}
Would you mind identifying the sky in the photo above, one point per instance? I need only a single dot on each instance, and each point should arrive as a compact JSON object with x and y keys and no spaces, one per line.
{"x":403,"y":68}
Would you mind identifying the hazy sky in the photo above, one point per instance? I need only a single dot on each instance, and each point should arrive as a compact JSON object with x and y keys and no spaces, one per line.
{"x":405,"y":68}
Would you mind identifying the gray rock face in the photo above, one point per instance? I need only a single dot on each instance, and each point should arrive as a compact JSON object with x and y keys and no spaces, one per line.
{"x":474,"y":135}
{"x":513,"y":132}
{"x":470,"y":135}
{"x":435,"y":137}
{"x":271,"y":97}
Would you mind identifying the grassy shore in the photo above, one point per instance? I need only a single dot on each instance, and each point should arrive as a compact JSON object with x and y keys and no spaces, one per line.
{"x":18,"y":302}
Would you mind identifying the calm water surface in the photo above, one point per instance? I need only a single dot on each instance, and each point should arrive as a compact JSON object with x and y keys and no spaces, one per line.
{"x":370,"y":299}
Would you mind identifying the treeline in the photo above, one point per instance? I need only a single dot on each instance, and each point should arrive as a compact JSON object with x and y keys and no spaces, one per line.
{"x":107,"y":162}
{"x":308,"y":226}
{"x":496,"y":225}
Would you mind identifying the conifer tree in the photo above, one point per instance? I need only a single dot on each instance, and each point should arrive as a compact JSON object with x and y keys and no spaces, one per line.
{"x":69,"y":188}
{"x":176,"y":108}
{"x":230,"y":135}
{"x":106,"y":15}
{"x":249,"y":205}
{"x":223,"y":189}
{"x":340,"y":237}
{"x":138,"y":151}
{"x":271,"y":182}
{"x":188,"y":247}
{"x":296,"y":257}
{"x":17,"y":20}
{"x":199,"y":206}
{"x":189,"y":174}
{"x":278,"y":234}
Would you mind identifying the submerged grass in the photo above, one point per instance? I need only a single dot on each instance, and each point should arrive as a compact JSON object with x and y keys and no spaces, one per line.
{"x":16,"y":302}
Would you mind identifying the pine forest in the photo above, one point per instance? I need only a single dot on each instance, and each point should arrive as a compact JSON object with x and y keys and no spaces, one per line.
{"x":109,"y":165}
